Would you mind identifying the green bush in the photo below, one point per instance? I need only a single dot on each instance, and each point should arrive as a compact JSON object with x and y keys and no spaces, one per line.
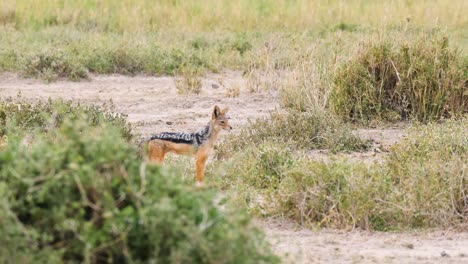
{"x":423,"y":79}
{"x":78,"y":193}
{"x":313,"y":129}
{"x":44,"y":116}
{"x":51,"y":65}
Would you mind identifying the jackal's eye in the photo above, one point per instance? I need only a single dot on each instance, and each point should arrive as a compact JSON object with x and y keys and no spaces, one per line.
{"x":222,"y":122}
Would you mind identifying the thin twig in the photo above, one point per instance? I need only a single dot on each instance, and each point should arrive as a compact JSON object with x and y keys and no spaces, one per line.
{"x":83,"y":194}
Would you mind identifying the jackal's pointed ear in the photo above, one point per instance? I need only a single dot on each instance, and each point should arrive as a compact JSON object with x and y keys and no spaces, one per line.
{"x":216,"y":112}
{"x":225,"y":110}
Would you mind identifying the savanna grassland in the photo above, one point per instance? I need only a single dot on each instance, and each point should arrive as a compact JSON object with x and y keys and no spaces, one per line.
{"x":328,"y":68}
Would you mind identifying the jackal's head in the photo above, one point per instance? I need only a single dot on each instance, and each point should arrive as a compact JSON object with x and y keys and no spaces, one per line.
{"x":219,"y":119}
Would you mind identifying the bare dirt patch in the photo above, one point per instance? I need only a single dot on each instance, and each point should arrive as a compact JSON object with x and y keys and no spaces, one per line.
{"x":300,"y":245}
{"x":153,"y":105}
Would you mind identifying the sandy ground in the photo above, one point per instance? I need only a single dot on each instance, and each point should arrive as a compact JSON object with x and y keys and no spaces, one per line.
{"x":153,"y":105}
{"x":300,"y":245}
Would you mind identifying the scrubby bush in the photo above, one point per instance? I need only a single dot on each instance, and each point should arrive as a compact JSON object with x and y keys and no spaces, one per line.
{"x":51,"y":65}
{"x":78,"y":193}
{"x":423,"y":79}
{"x":421,"y":183}
{"x":313,"y":129}
{"x":429,"y":172}
{"x":44,"y":116}
{"x":261,"y":166}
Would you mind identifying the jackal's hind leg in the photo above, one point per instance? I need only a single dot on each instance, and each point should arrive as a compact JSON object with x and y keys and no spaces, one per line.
{"x":156,"y":152}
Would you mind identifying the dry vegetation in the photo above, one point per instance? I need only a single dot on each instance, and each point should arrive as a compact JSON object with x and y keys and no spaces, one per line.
{"x":421,"y":183}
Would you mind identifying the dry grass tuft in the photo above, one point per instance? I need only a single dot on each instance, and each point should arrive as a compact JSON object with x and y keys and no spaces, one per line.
{"x":419,"y":78}
{"x":188,"y":83}
{"x":233,"y":91}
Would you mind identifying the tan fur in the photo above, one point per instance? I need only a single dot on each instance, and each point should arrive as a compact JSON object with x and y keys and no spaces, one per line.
{"x":158,"y":148}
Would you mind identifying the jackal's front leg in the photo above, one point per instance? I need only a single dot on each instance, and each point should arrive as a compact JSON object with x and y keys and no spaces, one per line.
{"x":200,"y":163}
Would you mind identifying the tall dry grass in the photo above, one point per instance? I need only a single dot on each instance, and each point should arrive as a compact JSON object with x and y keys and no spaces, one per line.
{"x":243,"y":15}
{"x":421,"y":78}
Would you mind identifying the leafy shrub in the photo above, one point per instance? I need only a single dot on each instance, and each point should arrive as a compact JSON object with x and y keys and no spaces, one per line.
{"x":78,"y":193}
{"x":423,"y":79}
{"x":50,"y":66}
{"x":44,"y":116}
{"x":313,"y":129}
{"x":421,"y":183}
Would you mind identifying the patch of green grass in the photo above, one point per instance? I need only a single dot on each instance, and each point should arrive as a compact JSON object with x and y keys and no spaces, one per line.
{"x":314,"y":129}
{"x":62,"y":53}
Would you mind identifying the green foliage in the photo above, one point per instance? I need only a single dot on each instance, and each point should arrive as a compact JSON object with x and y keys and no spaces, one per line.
{"x":430,"y":164}
{"x":422,"y":183}
{"x":313,"y":129}
{"x":261,"y":166}
{"x":78,"y":193}
{"x":58,"y":54}
{"x":241,"y":44}
{"x":51,"y":65}
{"x":45,"y":116}
{"x":422,"y":79}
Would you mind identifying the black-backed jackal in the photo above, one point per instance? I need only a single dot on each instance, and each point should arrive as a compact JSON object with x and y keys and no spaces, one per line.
{"x":198,"y":144}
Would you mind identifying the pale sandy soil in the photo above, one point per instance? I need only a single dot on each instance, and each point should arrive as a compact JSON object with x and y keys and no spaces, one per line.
{"x":153,"y":105}
{"x":300,"y":245}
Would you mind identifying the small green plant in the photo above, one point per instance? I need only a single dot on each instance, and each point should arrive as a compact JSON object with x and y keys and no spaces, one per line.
{"x":423,"y":79}
{"x":242,"y":44}
{"x":199,"y":43}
